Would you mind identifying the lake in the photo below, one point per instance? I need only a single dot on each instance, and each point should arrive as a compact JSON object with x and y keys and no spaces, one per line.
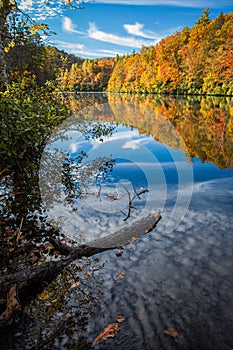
{"x":116,"y":159}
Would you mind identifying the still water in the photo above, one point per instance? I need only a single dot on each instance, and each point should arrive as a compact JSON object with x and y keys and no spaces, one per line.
{"x":179,"y":153}
{"x":114,"y":161}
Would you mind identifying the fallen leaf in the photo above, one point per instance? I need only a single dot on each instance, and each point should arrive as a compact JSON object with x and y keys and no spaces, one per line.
{"x":44,"y":295}
{"x":87,"y":275}
{"x":56,"y":253}
{"x":111,"y":197}
{"x":80,"y":266}
{"x":75,"y":284}
{"x":121,"y":276}
{"x":120,"y":319}
{"x":109,"y":332}
{"x":172,"y":332}
{"x":119,"y":254}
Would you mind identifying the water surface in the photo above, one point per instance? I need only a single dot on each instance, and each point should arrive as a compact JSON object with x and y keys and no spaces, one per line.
{"x":176,"y":152}
{"x":179,"y":276}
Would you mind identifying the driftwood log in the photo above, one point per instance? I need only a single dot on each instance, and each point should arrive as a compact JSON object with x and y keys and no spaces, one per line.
{"x":19,"y":288}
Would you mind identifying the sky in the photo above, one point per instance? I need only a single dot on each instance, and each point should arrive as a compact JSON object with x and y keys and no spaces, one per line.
{"x":105,"y":28}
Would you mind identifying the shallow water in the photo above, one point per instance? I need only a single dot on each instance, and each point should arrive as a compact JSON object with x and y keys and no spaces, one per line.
{"x":179,"y":276}
{"x":179,"y":154}
{"x":180,"y":280}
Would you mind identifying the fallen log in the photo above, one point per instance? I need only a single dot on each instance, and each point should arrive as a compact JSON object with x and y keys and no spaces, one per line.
{"x":17,"y":289}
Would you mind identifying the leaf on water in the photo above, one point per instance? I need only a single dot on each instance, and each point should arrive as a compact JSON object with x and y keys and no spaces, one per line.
{"x":80,"y":266}
{"x":75,"y":284}
{"x":56,"y":253}
{"x":111,"y":197}
{"x":121,"y":276}
{"x":109,"y":332}
{"x":44,"y":295}
{"x":87,"y":275}
{"x":172,"y":332}
{"x":119,"y":253}
{"x":120,"y":319}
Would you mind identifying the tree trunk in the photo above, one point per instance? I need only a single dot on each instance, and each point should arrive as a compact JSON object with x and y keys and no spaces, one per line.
{"x":6,"y":6}
{"x":19,"y":288}
{"x":3,"y":67}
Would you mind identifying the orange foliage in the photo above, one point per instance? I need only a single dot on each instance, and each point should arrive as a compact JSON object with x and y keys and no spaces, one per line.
{"x":193,"y":61}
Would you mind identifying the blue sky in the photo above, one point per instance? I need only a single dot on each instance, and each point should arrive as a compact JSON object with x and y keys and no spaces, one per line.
{"x":109,"y":27}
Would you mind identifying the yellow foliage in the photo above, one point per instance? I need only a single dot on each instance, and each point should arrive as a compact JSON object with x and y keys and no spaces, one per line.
{"x":11,"y":44}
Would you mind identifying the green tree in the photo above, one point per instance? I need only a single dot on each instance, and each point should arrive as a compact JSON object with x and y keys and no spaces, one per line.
{"x":204,"y":19}
{"x":10,"y":12}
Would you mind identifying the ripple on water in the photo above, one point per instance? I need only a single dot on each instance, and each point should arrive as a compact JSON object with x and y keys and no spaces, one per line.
{"x":183,"y":281}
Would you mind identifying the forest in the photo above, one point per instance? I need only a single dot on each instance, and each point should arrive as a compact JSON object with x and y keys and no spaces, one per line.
{"x":196,"y":60}
{"x":42,"y":268}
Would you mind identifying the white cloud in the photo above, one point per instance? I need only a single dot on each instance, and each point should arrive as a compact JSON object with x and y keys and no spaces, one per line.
{"x":68,"y":26}
{"x":96,"y":34}
{"x":41,"y":10}
{"x":177,"y":3}
{"x":68,"y":46}
{"x":131,"y":145}
{"x":25,"y":5}
{"x":81,"y":50}
{"x":112,"y":52}
{"x":117,"y":137}
{"x":137,"y":29}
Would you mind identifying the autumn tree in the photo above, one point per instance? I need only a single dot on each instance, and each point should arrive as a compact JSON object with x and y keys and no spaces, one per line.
{"x":10,"y":11}
{"x":195,"y":60}
{"x":88,"y":75}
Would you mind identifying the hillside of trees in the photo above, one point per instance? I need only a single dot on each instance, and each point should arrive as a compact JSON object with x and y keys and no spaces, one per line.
{"x":44,"y":62}
{"x":195,"y":60}
{"x":91,"y":75}
{"x":47,"y":63}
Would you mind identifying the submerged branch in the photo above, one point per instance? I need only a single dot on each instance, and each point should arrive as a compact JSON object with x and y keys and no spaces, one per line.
{"x":19,"y":288}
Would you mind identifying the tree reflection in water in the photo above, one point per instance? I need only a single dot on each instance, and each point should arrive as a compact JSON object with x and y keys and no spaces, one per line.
{"x":205,"y":124}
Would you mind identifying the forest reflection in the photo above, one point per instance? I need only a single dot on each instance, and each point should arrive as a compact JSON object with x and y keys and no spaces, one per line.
{"x":200,"y":127}
{"x":203,"y":126}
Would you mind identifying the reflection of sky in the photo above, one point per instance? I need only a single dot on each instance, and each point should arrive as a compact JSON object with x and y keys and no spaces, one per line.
{"x":126,"y":144}
{"x":141,"y":162}
{"x":207,"y":171}
{"x":189,"y":255}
